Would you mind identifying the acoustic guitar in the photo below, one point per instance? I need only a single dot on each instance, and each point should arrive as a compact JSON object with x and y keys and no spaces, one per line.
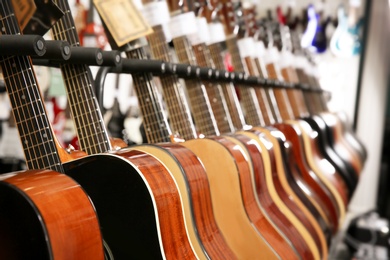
{"x":268,"y":118}
{"x":296,"y":239}
{"x":44,"y":213}
{"x":124,"y":187}
{"x":222,"y":203}
{"x":181,"y":121}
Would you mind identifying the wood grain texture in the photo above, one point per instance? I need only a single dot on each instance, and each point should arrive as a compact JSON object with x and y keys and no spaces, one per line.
{"x":230,"y":214}
{"x":168,"y":203}
{"x":258,"y":214}
{"x":65,"y":212}
{"x":294,"y":202}
{"x":193,"y":185}
{"x":324,"y":169}
{"x":324,"y":196}
{"x":287,"y":222}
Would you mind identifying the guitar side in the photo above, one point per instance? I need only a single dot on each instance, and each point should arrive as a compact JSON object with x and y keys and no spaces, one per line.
{"x":47,"y":215}
{"x":137,"y":203}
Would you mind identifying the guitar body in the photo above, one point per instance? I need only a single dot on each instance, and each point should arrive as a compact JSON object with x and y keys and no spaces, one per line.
{"x":339,"y":143}
{"x":261,"y":209}
{"x":256,"y":213}
{"x":193,"y":185}
{"x":320,"y":191}
{"x":47,"y":215}
{"x":223,"y":173}
{"x":268,"y":183}
{"x":318,"y":159}
{"x":288,"y":190}
{"x":137,"y":202}
{"x":350,"y":136}
{"x":340,"y":161}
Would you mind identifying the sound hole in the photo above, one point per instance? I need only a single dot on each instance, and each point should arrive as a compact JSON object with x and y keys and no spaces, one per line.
{"x":21,"y":231}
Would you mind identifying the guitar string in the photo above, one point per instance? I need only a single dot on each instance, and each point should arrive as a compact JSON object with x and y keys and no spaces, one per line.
{"x":173,"y":90}
{"x":41,"y":158}
{"x":170,"y":87}
{"x":214,"y":91}
{"x":201,"y":108}
{"x":228,"y":88}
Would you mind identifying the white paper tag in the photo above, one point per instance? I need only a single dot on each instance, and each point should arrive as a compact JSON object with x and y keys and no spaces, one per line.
{"x":217,"y":33}
{"x":246,"y":47}
{"x":156,"y":13}
{"x":183,"y":24}
{"x":202,"y":35}
{"x":259,"y":48}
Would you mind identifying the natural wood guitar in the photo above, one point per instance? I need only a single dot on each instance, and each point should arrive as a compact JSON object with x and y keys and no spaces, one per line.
{"x":134,"y":211}
{"x":44,"y":213}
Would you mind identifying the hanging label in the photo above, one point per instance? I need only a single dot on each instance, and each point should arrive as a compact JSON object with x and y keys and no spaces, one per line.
{"x":156,"y":13}
{"x":217,"y":33}
{"x":183,"y":24}
{"x":24,"y":10}
{"x":123,"y":20}
{"x":246,"y":47}
{"x":202,"y":35}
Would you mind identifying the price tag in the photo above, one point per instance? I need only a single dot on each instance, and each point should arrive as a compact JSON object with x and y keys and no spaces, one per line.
{"x":246,"y":47}
{"x":123,"y":20}
{"x":217,"y":33}
{"x":156,"y":13}
{"x":183,"y":24}
{"x":202,"y":35}
{"x":24,"y":10}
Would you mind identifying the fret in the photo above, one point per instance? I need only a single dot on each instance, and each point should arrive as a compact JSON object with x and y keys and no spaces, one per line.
{"x":27,"y":106}
{"x":155,"y":122}
{"x":199,"y":102}
{"x":249,"y":99}
{"x":173,"y":91}
{"x":292,"y":95}
{"x":229,"y":91}
{"x":79,"y":88}
{"x":214,"y":91}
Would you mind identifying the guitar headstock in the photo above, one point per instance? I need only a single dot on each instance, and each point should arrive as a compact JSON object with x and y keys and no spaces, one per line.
{"x":227,"y":16}
{"x":178,"y":6}
{"x":249,"y":17}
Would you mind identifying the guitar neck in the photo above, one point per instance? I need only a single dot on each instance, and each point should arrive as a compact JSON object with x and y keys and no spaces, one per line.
{"x":261,"y":94}
{"x":214,"y":91}
{"x":156,"y":125}
{"x":91,"y":130}
{"x":173,"y":91}
{"x":200,"y":105}
{"x":282,"y":103}
{"x":228,"y":89}
{"x":30,"y":115}
{"x":248,"y":94}
{"x":295,"y":96}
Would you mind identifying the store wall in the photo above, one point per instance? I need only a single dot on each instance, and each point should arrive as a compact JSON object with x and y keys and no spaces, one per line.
{"x":372,"y":104}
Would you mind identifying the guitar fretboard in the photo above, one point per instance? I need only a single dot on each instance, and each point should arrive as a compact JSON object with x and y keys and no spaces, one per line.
{"x":27,"y":104}
{"x":200,"y":105}
{"x":173,"y":91}
{"x":228,"y":89}
{"x":214,"y":91}
{"x":91,"y":130}
{"x":248,"y":95}
{"x":156,"y":125}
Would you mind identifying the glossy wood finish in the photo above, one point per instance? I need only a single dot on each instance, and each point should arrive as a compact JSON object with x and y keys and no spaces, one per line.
{"x":326,"y":198}
{"x":253,"y":203}
{"x":324,"y":169}
{"x":265,"y":185}
{"x":139,"y":206}
{"x":47,"y":215}
{"x":289,"y":194}
{"x":193,"y":185}
{"x":245,"y":241}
